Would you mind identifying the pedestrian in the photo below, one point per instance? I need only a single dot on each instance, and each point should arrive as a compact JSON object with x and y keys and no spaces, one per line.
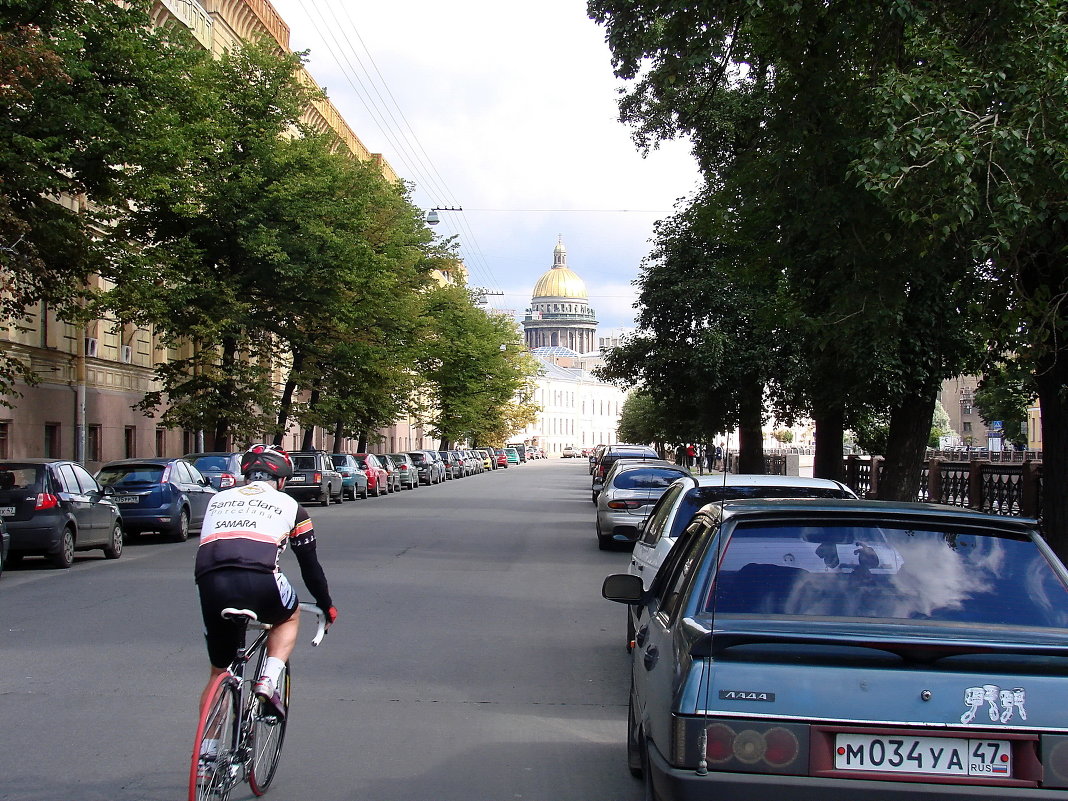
{"x":680,"y":456}
{"x":710,"y":456}
{"x":691,"y":453}
{"x":721,"y":456}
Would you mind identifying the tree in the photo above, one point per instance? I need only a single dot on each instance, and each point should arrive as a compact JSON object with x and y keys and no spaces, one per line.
{"x":641,"y":420}
{"x":473,"y":369}
{"x":972,"y":151}
{"x":773,"y":96}
{"x":85,"y":98}
{"x":1004,"y":395}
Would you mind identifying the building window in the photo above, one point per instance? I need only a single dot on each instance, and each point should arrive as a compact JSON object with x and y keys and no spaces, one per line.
{"x":967,"y":426}
{"x":188,"y":441}
{"x":161,"y":442}
{"x":129,"y":439}
{"x":51,"y":440}
{"x":5,"y":439}
{"x":92,"y":444}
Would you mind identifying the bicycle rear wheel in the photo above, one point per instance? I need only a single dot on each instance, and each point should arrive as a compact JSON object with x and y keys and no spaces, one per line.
{"x":219,"y":722}
{"x":268,"y":734}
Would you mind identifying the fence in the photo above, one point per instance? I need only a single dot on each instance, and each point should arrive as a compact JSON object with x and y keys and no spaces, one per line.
{"x":1000,"y":488}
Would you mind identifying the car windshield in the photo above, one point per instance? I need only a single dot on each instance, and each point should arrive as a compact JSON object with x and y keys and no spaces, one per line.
{"x":120,"y":475}
{"x":647,"y":478}
{"x":303,"y":462}
{"x":340,"y":461}
{"x":210,"y":463}
{"x":21,"y":477}
{"x":845,"y":571}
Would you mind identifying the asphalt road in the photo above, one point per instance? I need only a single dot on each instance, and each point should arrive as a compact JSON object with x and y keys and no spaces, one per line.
{"x":474,"y":659}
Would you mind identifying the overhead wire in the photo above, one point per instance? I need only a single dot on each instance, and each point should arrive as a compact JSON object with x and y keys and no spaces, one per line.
{"x":421,"y":167}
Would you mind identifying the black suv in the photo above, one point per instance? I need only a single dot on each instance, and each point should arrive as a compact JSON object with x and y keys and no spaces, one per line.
{"x":314,"y":478}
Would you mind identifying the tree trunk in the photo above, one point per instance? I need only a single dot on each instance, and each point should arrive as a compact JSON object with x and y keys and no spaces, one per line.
{"x":308,"y":443}
{"x":906,"y":444}
{"x":361,"y":444}
{"x":750,"y":433}
{"x":339,"y":435}
{"x":285,"y":403}
{"x":1052,"y":378}
{"x":830,"y":433}
{"x":443,"y":445}
{"x":227,"y":396}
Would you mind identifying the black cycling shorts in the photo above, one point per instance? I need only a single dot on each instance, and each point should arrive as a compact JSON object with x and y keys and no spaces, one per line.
{"x":269,"y":595}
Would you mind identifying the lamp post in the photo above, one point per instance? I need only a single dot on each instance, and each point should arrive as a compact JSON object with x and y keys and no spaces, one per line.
{"x":432,"y":217}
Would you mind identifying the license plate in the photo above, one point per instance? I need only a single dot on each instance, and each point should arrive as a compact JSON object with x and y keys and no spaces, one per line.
{"x":7,"y":511}
{"x":296,"y":479}
{"x":127,"y":499}
{"x":935,"y":756}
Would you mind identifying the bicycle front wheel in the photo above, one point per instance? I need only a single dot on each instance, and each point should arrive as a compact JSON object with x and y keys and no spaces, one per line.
{"x":268,"y":734}
{"x":216,"y":767}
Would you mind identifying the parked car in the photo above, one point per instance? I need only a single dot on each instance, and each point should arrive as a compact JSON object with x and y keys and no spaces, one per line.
{"x":501,"y":456}
{"x":429,"y":470}
{"x":512,"y":455}
{"x":5,"y":545}
{"x":682,"y":500}
{"x":569,"y":452}
{"x":489,"y":460}
{"x":221,"y":468}
{"x":53,"y":507}
{"x":520,"y":450}
{"x":377,"y":476}
{"x":387,"y":462}
{"x":454,"y":466}
{"x":353,"y":477}
{"x":406,"y":470}
{"x":439,"y":464}
{"x":314,"y":478}
{"x":165,"y":495}
{"x":843,"y":649}
{"x":610,"y":455}
{"x":629,"y":492}
{"x":686,"y":496}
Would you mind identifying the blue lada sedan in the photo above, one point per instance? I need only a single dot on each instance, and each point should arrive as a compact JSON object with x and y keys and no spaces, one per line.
{"x":841,"y":650}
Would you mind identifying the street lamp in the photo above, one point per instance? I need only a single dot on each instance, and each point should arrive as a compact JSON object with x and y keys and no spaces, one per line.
{"x":432,"y":217}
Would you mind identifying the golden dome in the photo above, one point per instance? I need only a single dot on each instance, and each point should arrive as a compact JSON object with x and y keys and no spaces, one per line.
{"x":560,"y":282}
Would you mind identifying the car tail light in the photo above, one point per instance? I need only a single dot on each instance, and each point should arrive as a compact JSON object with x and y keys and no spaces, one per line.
{"x":624,"y":504}
{"x":402,"y":467}
{"x":163,"y":479}
{"x":754,"y":746}
{"x":317,"y":478}
{"x":227,"y":480}
{"x":46,"y":500}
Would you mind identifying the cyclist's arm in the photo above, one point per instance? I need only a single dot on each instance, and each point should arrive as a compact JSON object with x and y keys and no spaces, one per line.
{"x":302,"y":538}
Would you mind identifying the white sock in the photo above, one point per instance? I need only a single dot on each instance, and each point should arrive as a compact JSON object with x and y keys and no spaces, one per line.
{"x":272,"y":669}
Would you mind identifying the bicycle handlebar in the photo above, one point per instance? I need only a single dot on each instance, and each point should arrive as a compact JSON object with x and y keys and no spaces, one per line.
{"x":320,"y":620}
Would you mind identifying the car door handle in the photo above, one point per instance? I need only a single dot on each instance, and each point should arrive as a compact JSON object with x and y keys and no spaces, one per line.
{"x":652,"y":654}
{"x":641,"y":635}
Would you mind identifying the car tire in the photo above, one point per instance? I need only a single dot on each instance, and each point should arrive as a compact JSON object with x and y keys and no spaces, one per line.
{"x":341,"y":495}
{"x":378,"y":490}
{"x":363,"y":493}
{"x":603,"y":542}
{"x":179,"y":532}
{"x":113,"y":550}
{"x":13,"y":559}
{"x":63,"y":557}
{"x":635,"y":762}
{"x":324,"y":496}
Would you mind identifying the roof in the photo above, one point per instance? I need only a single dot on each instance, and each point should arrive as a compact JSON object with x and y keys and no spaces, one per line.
{"x":758,"y":480}
{"x":560,"y":282}
{"x":554,"y":350}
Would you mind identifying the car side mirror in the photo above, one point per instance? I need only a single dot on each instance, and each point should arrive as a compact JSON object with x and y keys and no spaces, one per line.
{"x":623,"y":588}
{"x":109,"y":490}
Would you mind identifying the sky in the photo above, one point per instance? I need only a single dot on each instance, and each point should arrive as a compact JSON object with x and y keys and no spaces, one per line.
{"x":508,"y":111}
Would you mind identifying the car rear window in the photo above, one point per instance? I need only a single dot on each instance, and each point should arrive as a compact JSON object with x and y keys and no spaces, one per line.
{"x":303,"y":462}
{"x":20,"y":478}
{"x":647,"y":478}
{"x":697,"y":497}
{"x":118,"y":476}
{"x":418,"y":458}
{"x":339,"y":461}
{"x":956,"y":576}
{"x":216,"y":463}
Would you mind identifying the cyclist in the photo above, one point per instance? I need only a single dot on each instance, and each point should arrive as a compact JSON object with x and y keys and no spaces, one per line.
{"x":245,"y":531}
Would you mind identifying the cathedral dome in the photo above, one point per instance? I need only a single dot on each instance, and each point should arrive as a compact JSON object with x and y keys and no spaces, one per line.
{"x":560,"y":281}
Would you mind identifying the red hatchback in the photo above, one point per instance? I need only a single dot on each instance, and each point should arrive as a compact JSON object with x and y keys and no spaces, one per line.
{"x":501,"y":457}
{"x":377,"y":475}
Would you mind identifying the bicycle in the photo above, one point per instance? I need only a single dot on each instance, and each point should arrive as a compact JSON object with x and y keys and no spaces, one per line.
{"x":248,"y":733}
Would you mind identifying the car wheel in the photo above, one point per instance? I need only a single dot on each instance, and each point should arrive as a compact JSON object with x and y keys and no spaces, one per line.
{"x":378,"y":490}
{"x":363,"y":492}
{"x":180,"y":530}
{"x":113,"y":550}
{"x":324,"y":496}
{"x":13,"y":559}
{"x":595,"y":497}
{"x":63,"y":557}
{"x":603,"y":542}
{"x":635,"y":763}
{"x":341,"y":495}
